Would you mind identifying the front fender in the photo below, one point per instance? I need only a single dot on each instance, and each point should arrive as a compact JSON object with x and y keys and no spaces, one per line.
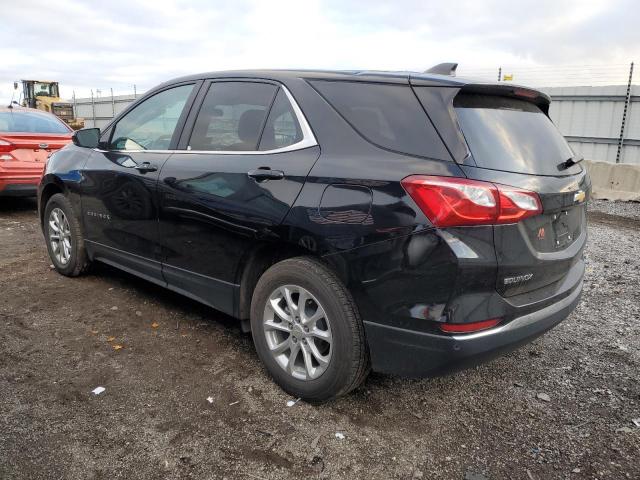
{"x":63,"y":174}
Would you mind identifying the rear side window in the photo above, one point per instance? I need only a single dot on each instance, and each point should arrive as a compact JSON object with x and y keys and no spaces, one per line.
{"x":282,"y":128}
{"x":232,"y":116}
{"x":31,"y":122}
{"x":389,"y":116}
{"x":511,"y":135}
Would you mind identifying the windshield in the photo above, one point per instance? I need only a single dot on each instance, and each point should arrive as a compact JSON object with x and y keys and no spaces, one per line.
{"x":512,"y":135}
{"x":31,"y":122}
{"x":41,"y":89}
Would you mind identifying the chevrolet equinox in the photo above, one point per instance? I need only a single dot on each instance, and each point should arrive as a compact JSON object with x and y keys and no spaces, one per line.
{"x":407,"y":223}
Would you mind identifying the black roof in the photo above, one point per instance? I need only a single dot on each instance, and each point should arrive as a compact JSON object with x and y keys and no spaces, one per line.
{"x":352,"y":75}
{"x":405,"y":77}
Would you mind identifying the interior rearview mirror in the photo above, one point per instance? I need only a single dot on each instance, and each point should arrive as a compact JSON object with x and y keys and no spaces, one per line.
{"x":86,"y":137}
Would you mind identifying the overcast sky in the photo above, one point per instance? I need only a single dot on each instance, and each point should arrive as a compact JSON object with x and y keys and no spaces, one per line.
{"x":119,"y":43}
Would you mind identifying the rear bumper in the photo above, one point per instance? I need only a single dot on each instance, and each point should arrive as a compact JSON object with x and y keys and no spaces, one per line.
{"x":18,"y":189}
{"x":416,"y":354}
{"x":20,"y":180}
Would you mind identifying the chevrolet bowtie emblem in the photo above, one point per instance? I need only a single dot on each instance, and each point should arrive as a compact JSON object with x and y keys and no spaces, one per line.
{"x":579,"y":196}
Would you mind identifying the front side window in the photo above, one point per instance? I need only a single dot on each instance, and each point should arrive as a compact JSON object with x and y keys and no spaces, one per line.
{"x":232,"y":116}
{"x":150,"y":125}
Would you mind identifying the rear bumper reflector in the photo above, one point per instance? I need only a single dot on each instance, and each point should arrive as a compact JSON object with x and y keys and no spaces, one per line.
{"x":469,"y":327}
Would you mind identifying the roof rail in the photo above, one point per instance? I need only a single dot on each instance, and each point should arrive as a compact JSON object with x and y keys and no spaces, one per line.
{"x":443,"y":69}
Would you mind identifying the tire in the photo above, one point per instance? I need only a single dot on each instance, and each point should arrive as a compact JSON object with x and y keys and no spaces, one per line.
{"x":77,"y":261}
{"x":335,"y":337}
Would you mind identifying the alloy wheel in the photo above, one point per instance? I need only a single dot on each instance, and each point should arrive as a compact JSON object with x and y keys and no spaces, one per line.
{"x":298,"y":332}
{"x":60,"y":236}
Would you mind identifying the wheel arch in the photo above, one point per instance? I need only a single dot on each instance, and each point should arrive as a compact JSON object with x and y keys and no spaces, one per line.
{"x":258,"y":261}
{"x":50,"y":186}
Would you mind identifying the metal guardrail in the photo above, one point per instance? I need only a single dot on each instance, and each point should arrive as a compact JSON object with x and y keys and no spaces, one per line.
{"x":595,"y":98}
{"x":602,"y":140}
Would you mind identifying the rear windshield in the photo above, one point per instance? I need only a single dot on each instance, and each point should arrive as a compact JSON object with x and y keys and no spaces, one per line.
{"x":31,"y":122}
{"x":512,"y":135}
{"x":389,"y":116}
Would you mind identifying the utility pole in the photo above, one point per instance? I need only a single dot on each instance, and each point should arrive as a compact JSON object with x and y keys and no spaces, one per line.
{"x":93,"y":108}
{"x":627,"y":106}
{"x":113,"y":104}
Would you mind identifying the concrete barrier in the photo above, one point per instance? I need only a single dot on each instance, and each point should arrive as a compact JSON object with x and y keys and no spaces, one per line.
{"x":614,"y":181}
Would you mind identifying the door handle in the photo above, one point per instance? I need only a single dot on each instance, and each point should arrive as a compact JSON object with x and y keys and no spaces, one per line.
{"x":264,"y":173}
{"x":145,"y":167}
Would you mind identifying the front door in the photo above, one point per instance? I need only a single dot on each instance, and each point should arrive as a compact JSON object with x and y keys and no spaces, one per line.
{"x":247,"y":153}
{"x":119,"y":194}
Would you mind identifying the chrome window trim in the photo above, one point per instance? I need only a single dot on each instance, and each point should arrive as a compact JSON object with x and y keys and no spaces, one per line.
{"x":308,"y":139}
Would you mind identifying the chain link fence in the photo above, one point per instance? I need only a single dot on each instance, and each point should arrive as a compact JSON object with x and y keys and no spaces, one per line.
{"x":540,"y":76}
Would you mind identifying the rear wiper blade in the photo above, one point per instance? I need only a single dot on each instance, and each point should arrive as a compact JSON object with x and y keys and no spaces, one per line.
{"x":570,"y":162}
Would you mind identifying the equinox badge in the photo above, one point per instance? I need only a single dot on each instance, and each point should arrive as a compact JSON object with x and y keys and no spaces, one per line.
{"x":518,"y":279}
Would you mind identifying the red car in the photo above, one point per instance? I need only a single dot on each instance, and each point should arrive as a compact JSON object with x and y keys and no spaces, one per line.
{"x":27,"y":137}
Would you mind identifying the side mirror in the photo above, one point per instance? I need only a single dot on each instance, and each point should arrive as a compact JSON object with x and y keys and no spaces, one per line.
{"x":87,"y":137}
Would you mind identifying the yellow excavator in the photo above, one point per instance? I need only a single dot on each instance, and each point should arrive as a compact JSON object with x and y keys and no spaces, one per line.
{"x":45,"y":96}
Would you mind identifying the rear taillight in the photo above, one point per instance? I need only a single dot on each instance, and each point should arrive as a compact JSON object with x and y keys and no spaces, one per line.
{"x":469,"y":327}
{"x":5,"y":146}
{"x":516,"y":204}
{"x":455,"y":202}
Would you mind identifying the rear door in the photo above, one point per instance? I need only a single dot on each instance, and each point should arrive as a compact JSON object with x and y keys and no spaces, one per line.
{"x":244,"y":156}
{"x":513,"y":142}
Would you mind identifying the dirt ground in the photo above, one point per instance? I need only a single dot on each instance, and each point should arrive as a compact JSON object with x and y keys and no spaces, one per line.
{"x":561,"y":407}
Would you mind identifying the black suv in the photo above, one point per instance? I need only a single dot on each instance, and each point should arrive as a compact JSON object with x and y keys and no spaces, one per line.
{"x":402,"y":222}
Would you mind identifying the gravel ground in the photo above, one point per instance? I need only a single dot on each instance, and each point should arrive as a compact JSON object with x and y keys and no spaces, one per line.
{"x":187,"y":398}
{"x":623,"y":209}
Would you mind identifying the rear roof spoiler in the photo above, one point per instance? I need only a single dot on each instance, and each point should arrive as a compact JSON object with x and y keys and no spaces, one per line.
{"x":448,"y":69}
{"x":541,"y":99}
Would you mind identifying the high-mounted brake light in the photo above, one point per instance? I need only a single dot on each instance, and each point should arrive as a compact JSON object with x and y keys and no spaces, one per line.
{"x":525,"y":92}
{"x":469,"y":327}
{"x":454,"y":202}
